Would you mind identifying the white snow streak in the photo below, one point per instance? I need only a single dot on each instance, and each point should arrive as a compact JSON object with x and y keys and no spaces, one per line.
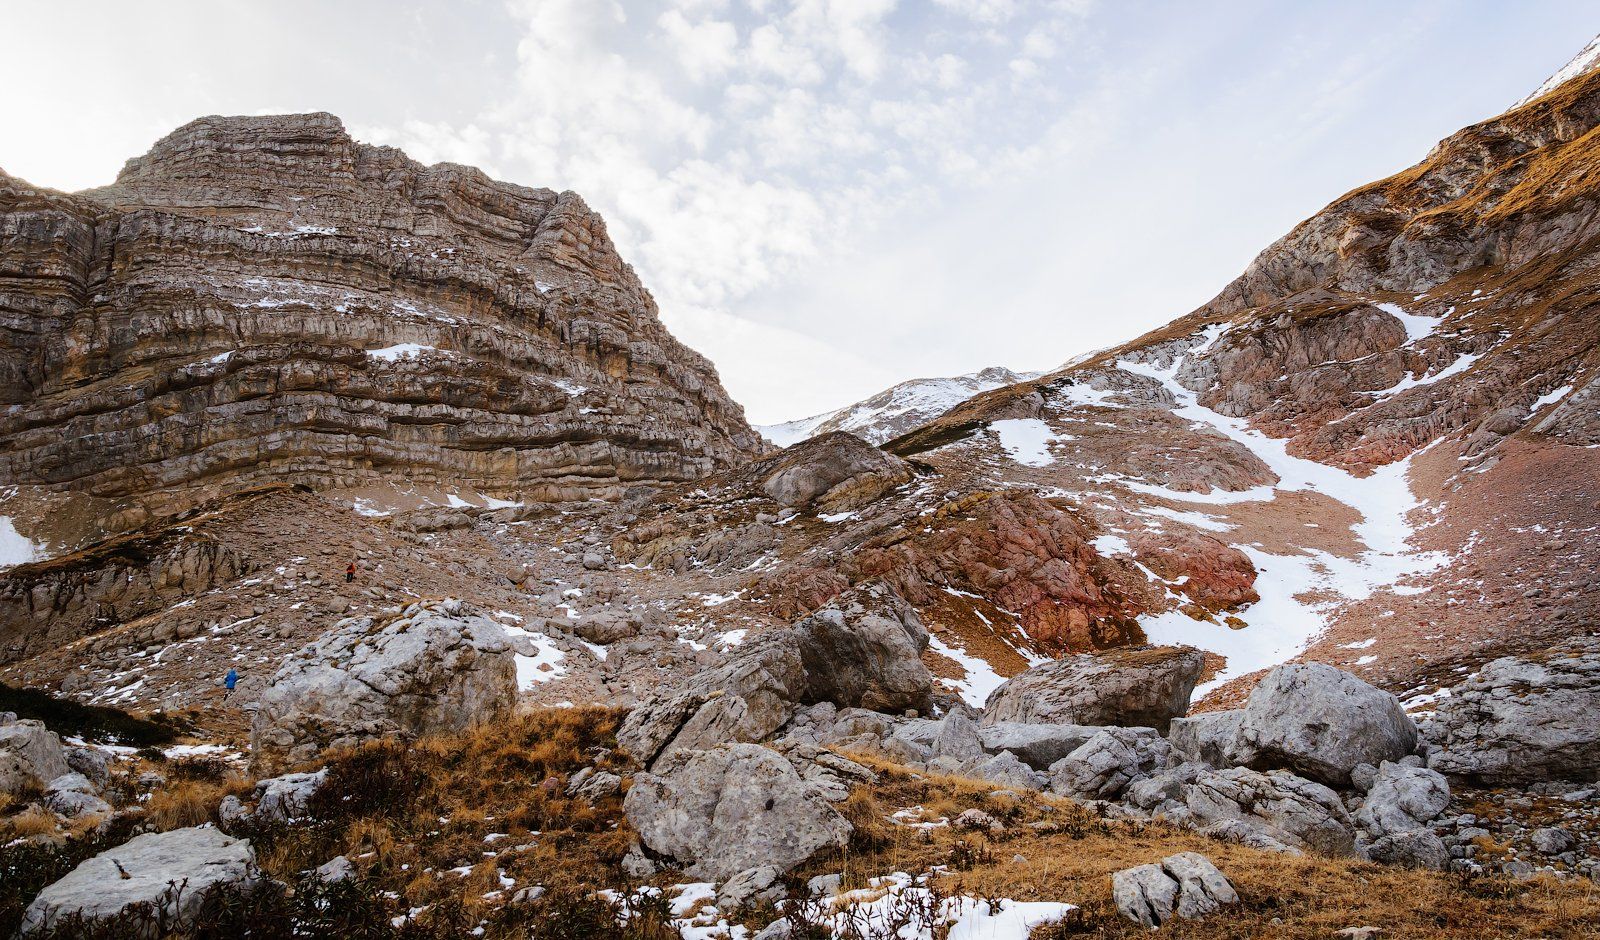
{"x":1027,"y":440}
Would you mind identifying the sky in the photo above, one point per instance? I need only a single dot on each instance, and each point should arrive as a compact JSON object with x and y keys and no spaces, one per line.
{"x":827,"y":197}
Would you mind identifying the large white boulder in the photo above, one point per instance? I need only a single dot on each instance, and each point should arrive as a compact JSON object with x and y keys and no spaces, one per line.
{"x":172,"y":871}
{"x":726,"y":810}
{"x":1133,"y":686}
{"x":1320,"y":722}
{"x":438,"y":667}
{"x":30,"y":756}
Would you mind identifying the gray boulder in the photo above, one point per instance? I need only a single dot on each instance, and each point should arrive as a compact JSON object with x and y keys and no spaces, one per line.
{"x":1276,"y":810}
{"x":1186,"y":884}
{"x":1523,"y":719}
{"x":1402,"y":798}
{"x":1105,"y":764}
{"x":288,"y":797}
{"x":864,"y":649}
{"x":834,"y":472}
{"x":861,"y":650}
{"x":1320,"y":722}
{"x":1038,"y":746}
{"x":1144,"y":894}
{"x":90,"y":762}
{"x":1410,"y":848}
{"x":724,"y":811}
{"x":30,"y":756}
{"x":438,"y":667}
{"x":1131,"y":686}
{"x":1007,"y":770}
{"x":170,"y":870}
{"x":72,"y":795}
{"x":1207,"y":738}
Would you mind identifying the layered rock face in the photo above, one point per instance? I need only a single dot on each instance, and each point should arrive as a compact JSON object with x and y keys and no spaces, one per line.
{"x":263,"y":298}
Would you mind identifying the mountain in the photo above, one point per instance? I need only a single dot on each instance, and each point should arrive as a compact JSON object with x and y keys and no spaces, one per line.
{"x":262,"y":299}
{"x":895,"y":410}
{"x":1394,"y":412}
{"x":383,"y":517}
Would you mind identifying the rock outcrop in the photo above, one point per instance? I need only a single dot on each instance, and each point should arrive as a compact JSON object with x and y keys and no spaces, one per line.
{"x":1523,"y":718}
{"x":263,"y":298}
{"x":437,"y":667}
{"x":170,"y":872}
{"x":1145,"y":687}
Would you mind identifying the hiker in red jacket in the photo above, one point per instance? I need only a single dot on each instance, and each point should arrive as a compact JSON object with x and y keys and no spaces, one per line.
{"x":350,"y":572}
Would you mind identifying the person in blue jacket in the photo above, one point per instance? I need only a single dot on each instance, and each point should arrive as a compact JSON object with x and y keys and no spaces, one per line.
{"x":230,"y":680}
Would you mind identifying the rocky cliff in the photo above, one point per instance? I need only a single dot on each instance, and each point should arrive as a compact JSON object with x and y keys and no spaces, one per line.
{"x":265,"y":299}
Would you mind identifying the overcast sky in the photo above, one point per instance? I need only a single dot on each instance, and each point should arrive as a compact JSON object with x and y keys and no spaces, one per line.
{"x":831,"y":196}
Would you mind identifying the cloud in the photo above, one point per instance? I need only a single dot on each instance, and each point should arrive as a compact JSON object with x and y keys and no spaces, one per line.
{"x":729,"y":145}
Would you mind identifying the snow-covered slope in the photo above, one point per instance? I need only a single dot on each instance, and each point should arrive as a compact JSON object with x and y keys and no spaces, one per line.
{"x":1588,"y":59}
{"x":895,"y":410}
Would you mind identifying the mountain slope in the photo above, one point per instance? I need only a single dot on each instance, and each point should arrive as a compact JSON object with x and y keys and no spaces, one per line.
{"x":895,"y":410}
{"x":1394,"y":411}
{"x":262,"y":299}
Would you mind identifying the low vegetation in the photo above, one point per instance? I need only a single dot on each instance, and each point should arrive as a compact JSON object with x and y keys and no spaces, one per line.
{"x":444,"y":833}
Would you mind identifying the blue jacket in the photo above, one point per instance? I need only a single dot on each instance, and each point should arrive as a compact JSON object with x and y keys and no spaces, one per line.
{"x":231,"y":679}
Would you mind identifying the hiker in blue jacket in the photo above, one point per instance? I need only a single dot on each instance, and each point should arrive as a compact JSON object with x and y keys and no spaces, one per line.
{"x":230,"y":680}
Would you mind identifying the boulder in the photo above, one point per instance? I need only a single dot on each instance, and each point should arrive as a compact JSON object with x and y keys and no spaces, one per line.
{"x":1038,"y":746}
{"x":1411,"y":848}
{"x":288,"y":797}
{"x":1523,"y":719}
{"x":1007,"y":770}
{"x":1276,"y":810}
{"x":30,"y":756}
{"x":835,"y":472}
{"x":1131,"y":686}
{"x":832,"y":775}
{"x":1105,"y":764}
{"x":147,"y":869}
{"x":1144,"y":894}
{"x":1186,"y":884}
{"x":1320,"y":722}
{"x":747,"y":698}
{"x":438,"y":667}
{"x":732,"y":808}
{"x":864,"y":649}
{"x":957,"y":738}
{"x":90,"y":762}
{"x":72,"y":795}
{"x":1402,"y":798}
{"x":1207,"y":738}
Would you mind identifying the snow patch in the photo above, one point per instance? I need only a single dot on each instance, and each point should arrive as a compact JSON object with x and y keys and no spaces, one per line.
{"x":1027,"y":440}
{"x":980,"y":681}
{"x":400,"y":351}
{"x":15,"y":548}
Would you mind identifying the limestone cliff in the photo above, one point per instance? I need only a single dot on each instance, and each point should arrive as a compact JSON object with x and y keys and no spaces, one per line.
{"x":263,"y":299}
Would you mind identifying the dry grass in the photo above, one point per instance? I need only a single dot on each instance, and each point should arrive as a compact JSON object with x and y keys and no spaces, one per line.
{"x":490,"y":802}
{"x":32,"y":821}
{"x":1068,"y":854}
{"x":183,"y":803}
